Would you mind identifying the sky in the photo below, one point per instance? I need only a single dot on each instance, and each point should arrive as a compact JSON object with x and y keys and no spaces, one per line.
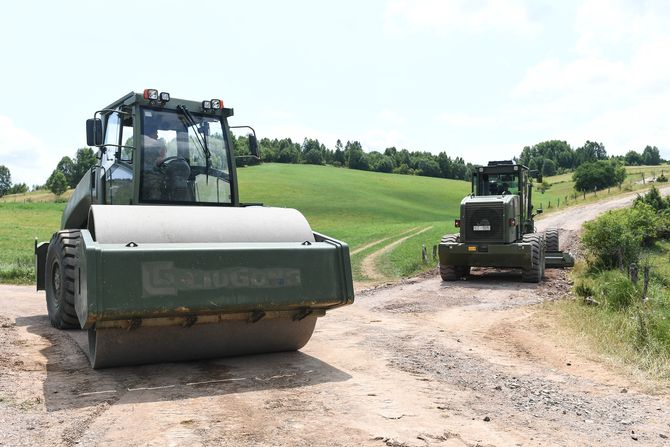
{"x":479,"y":79}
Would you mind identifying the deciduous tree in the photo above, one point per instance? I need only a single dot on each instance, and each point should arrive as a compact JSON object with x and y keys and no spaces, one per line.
{"x":57,"y":183}
{"x":5,"y":180}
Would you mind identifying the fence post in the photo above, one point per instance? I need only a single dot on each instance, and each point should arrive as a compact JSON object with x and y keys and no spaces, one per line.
{"x":632,"y":271}
{"x":424,"y":254}
{"x":434,"y":252}
{"x":646,"y":283}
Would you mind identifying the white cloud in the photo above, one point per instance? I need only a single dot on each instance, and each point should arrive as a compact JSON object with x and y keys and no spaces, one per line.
{"x":29,"y":159}
{"x":615,"y":89}
{"x":617,"y":24}
{"x":464,"y":120}
{"x":393,"y":117}
{"x":14,"y":140}
{"x":442,"y":17}
{"x":482,"y":153}
{"x":633,"y":127}
{"x":284,"y":124}
{"x":584,"y":75}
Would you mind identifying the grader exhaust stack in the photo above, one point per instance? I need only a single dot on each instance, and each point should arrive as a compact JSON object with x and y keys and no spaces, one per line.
{"x":159,"y":260}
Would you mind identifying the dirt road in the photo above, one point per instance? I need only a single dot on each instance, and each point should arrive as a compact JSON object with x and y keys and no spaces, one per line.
{"x":418,"y":363}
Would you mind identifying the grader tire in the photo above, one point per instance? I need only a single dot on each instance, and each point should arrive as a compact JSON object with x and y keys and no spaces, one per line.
{"x":452,"y":272}
{"x":448,"y":273}
{"x":536,"y":271}
{"x":551,"y":236}
{"x":59,"y":280}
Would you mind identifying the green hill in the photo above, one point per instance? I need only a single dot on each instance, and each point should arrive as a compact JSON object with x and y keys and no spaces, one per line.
{"x":355,"y":206}
{"x":360,"y":207}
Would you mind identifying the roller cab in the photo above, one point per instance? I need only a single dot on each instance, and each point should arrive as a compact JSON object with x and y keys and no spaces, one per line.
{"x":158,"y":259}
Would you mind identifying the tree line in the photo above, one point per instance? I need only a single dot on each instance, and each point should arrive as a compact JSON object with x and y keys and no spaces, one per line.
{"x":593,"y":168}
{"x":70,"y":171}
{"x":6,"y":186}
{"x":352,"y":155}
{"x":557,"y":157}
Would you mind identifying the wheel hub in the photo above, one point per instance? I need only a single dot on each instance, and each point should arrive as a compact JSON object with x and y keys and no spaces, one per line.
{"x":56,"y":279}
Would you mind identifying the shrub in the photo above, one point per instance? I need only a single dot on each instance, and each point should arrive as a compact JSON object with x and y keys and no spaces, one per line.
{"x":617,"y":290}
{"x":584,"y":290}
{"x":609,"y":243}
{"x":598,"y":175}
{"x":643,"y":220}
{"x":663,"y":226}
{"x":616,"y":238}
{"x":653,"y":198}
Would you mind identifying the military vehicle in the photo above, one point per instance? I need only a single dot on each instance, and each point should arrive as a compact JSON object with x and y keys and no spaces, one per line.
{"x":497,"y":228}
{"x":159,"y":260}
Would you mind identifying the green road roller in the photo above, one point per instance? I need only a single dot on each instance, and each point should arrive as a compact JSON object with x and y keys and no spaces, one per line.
{"x":160,"y":262}
{"x":497,"y":228}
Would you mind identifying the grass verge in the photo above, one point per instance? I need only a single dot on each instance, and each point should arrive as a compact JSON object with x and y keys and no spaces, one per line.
{"x":618,"y":323}
{"x":21,"y":223}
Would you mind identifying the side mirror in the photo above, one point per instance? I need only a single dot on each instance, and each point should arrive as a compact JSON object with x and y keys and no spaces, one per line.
{"x":253,"y":145}
{"x":94,"y":132}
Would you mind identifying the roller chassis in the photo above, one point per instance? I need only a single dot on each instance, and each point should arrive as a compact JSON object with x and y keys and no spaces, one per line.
{"x":194,"y":274}
{"x":147,"y":303}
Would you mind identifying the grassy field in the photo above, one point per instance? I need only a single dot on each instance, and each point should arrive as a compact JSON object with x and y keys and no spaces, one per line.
{"x":355,"y":206}
{"x":40,"y":196}
{"x":636,"y":336}
{"x":562,"y":188}
{"x":21,"y":223}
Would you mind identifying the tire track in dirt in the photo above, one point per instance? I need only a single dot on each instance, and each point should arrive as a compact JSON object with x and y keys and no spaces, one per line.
{"x":378,"y":241}
{"x":369,"y":267}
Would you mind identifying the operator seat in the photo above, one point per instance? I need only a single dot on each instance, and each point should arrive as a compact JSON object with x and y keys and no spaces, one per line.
{"x":177,"y":184}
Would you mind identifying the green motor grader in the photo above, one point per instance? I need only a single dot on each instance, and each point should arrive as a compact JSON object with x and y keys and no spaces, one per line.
{"x":497,"y":228}
{"x":159,"y":261}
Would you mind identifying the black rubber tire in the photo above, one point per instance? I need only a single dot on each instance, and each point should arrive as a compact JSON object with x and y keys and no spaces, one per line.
{"x":59,"y":279}
{"x":536,"y":272}
{"x":452,"y":272}
{"x":551,"y":237}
